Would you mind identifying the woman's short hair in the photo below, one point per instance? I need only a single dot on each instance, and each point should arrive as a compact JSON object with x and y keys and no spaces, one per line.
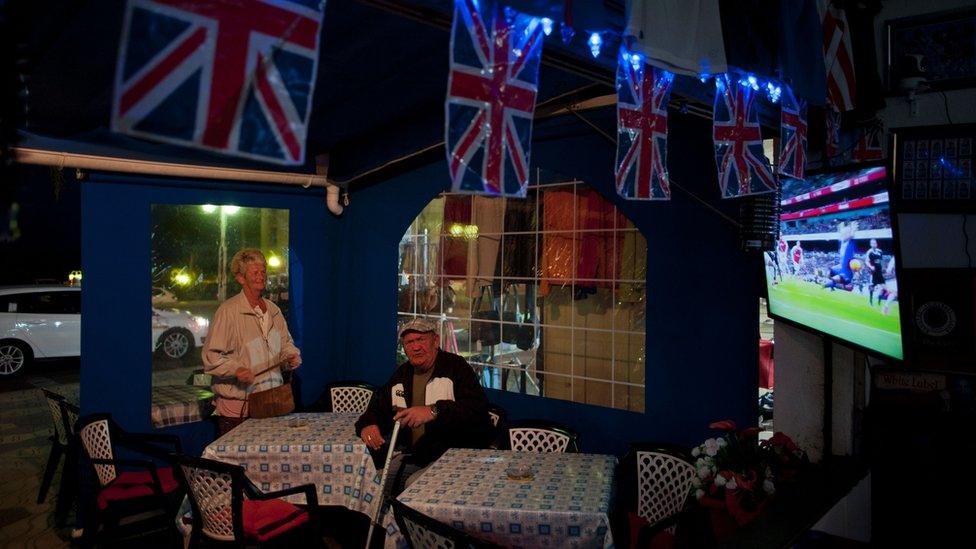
{"x":243,"y":257}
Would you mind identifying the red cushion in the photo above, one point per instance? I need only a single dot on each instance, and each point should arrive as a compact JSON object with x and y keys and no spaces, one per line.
{"x":136,"y":484}
{"x":662,"y":540}
{"x":264,"y":520}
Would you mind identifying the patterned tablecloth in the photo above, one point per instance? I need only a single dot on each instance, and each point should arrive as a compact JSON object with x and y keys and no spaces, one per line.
{"x":565,"y":504}
{"x":178,"y":404}
{"x":321,"y":449}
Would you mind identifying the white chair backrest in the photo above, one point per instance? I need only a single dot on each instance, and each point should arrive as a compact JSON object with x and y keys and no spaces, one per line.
{"x":534,"y":439}
{"x":212,"y":492}
{"x":663,"y":485}
{"x":97,"y":440}
{"x":54,"y":404}
{"x":422,"y":537}
{"x":350,"y":399}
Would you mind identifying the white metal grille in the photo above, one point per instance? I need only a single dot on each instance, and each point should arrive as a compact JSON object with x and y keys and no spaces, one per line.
{"x":422,"y":537}
{"x":350,"y":399}
{"x":525,"y":439}
{"x":55,"y":406}
{"x":212,"y":492}
{"x":663,"y":484}
{"x":98,"y":445}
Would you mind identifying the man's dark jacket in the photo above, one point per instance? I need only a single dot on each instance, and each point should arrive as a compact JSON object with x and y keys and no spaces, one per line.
{"x":462,"y":409}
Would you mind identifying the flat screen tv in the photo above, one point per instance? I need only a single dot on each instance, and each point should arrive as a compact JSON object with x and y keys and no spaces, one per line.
{"x":833,"y":269}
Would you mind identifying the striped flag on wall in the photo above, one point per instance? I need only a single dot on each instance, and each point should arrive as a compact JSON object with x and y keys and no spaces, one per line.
{"x":838,"y":58}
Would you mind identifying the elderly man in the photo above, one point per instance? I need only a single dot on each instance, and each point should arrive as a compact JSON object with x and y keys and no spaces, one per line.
{"x":436,"y":397}
{"x":248,"y":334}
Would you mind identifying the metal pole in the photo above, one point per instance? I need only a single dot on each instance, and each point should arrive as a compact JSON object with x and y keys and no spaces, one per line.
{"x":386,"y":471}
{"x":222,"y":263}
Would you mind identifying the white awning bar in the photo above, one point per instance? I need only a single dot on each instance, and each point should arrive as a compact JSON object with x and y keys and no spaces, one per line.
{"x":58,"y":159}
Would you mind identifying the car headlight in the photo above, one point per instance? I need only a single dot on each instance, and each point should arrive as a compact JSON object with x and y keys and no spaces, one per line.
{"x":201,"y":321}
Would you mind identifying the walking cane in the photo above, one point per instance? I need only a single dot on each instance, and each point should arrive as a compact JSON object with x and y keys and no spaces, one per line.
{"x":386,"y":471}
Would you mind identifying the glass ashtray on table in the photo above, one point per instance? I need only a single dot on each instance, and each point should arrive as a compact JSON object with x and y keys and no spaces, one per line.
{"x":520,"y":472}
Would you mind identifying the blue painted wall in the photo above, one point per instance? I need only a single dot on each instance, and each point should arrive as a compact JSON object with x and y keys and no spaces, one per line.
{"x":115,"y":234}
{"x":702,"y":312}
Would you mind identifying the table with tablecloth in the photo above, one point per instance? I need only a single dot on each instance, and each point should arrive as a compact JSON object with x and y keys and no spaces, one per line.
{"x":565,"y":503}
{"x":301,"y":448}
{"x":179,"y":404}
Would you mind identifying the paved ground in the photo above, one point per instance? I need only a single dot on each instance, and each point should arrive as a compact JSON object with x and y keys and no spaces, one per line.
{"x":25,"y":425}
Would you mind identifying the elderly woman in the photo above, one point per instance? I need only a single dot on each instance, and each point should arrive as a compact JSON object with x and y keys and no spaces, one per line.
{"x":248,"y":334}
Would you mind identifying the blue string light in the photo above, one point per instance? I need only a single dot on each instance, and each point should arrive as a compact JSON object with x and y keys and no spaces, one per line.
{"x":566,"y":32}
{"x":595,"y":42}
{"x":546,"y":26}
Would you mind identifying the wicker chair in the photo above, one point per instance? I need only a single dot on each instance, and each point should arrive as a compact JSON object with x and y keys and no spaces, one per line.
{"x":344,"y":396}
{"x":127,"y":487}
{"x":64,"y":444}
{"x":423,"y":532}
{"x":228,"y":508}
{"x":542,"y":436}
{"x":59,"y":441}
{"x":656,"y":480}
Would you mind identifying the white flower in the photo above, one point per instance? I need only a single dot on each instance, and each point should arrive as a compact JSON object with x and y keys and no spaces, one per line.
{"x":720,"y":480}
{"x":711,"y":447}
{"x":704,"y":471}
{"x":722,"y":442}
{"x":768,"y":487}
{"x":695,"y":482}
{"x":699,"y":493}
{"x":696,"y":452}
{"x":731,"y":485}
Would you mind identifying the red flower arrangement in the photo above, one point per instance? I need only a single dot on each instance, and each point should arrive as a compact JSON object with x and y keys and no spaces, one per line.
{"x":737,"y":473}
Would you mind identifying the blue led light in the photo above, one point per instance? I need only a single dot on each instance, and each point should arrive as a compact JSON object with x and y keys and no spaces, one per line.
{"x":636,"y":60}
{"x":547,"y":26}
{"x":753,"y":83}
{"x":704,"y":77}
{"x":595,"y":42}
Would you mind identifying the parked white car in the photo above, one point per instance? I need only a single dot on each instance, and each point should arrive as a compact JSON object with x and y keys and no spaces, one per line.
{"x":38,"y":322}
{"x":175,"y":333}
{"x":44,"y":322}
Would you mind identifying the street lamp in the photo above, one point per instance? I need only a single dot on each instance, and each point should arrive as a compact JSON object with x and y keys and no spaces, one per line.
{"x":222,"y":248}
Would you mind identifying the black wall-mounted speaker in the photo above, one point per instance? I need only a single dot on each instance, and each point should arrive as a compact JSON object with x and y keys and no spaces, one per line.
{"x":938,"y":312}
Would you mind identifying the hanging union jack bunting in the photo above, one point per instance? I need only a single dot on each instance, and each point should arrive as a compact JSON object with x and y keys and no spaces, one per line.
{"x":869,"y":145}
{"x":793,"y":135}
{"x":642,"y":129}
{"x":491,"y":93}
{"x":742,"y":167}
{"x":232,"y":76}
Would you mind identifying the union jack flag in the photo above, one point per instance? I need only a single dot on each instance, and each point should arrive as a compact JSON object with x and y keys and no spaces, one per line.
{"x":642,"y":129}
{"x":232,"y":76}
{"x":793,"y":135}
{"x":838,"y":56}
{"x":869,"y":145}
{"x":742,"y":167}
{"x":491,"y":98}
